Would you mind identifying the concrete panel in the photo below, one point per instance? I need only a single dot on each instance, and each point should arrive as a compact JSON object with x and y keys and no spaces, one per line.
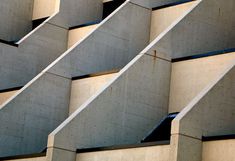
{"x":123,"y":112}
{"x":15,"y":19}
{"x":87,"y":11}
{"x":36,"y":110}
{"x":45,"y":8}
{"x":210,"y":113}
{"x":152,"y":153}
{"x":76,"y":35}
{"x":218,"y":150}
{"x":184,"y":148}
{"x":163,"y":18}
{"x":20,"y":65}
{"x":189,"y":78}
{"x":83,"y":89}
{"x":43,"y":45}
{"x":209,"y":27}
{"x":153,"y":3}
{"x":29,"y":159}
{"x":115,"y":42}
{"x":5,"y":96}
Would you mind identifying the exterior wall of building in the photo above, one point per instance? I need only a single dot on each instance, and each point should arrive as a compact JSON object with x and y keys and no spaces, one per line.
{"x":218,"y":150}
{"x":162,"y":18}
{"x":15,"y":19}
{"x":45,"y":8}
{"x":153,"y":153}
{"x":78,"y":34}
{"x":30,"y":159}
{"x":5,"y":96}
{"x":121,"y":113}
{"x":83,"y":89}
{"x":190,"y":77}
{"x":201,"y":31}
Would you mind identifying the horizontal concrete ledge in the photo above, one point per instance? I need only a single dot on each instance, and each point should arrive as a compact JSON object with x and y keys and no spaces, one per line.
{"x":213,"y":53}
{"x":118,"y":147}
{"x":36,"y":155}
{"x":84,"y":25}
{"x":219,"y":137}
{"x":10,"y":89}
{"x":95,"y":74}
{"x":172,"y":4}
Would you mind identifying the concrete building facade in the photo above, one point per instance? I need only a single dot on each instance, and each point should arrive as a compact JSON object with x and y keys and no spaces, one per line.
{"x":116,"y":80}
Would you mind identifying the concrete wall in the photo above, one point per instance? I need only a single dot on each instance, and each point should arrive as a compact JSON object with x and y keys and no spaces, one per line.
{"x":5,"y":96}
{"x":76,"y":35}
{"x":122,"y":113}
{"x":42,"y":46}
{"x":30,"y":159}
{"x":28,"y":117}
{"x":207,"y":28}
{"x":218,"y":150}
{"x":210,"y":113}
{"x":15,"y":19}
{"x":45,"y":8}
{"x":153,"y":3}
{"x":83,"y":89}
{"x":152,"y":153}
{"x":189,"y":78}
{"x":163,"y":18}
{"x":111,"y":46}
{"x":38,"y":50}
{"x":87,"y":11}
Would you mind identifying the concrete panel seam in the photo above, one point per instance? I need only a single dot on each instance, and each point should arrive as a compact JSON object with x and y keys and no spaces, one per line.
{"x":158,"y":57}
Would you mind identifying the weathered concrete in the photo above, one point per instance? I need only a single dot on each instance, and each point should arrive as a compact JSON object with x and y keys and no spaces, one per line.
{"x":209,"y":27}
{"x":15,"y":19}
{"x":218,"y":150}
{"x":27,"y":119}
{"x":117,"y":115}
{"x":153,"y":3}
{"x":43,"y":45}
{"x":163,"y":18}
{"x":152,"y":153}
{"x":188,"y":78}
{"x":83,"y":89}
{"x":203,"y":116}
{"x":5,"y":96}
{"x":29,"y":159}
{"x":111,"y":46}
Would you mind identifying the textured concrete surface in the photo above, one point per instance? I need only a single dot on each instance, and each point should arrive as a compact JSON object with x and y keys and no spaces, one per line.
{"x":5,"y":96}
{"x":209,"y":27}
{"x":15,"y":19}
{"x":153,"y":3}
{"x":210,"y":113}
{"x":27,"y":119}
{"x":218,"y":150}
{"x":189,"y":78}
{"x":43,"y":45}
{"x":163,"y":18}
{"x":83,"y":89}
{"x":45,"y":8}
{"x":29,"y":159}
{"x":117,"y":41}
{"x":78,"y":34}
{"x":117,"y":115}
{"x":152,"y":153}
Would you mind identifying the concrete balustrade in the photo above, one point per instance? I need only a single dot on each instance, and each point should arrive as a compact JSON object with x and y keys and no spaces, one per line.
{"x":15,"y":19}
{"x":201,"y":31}
{"x":152,"y":153}
{"x":190,"y":77}
{"x":45,"y":43}
{"x":209,"y":113}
